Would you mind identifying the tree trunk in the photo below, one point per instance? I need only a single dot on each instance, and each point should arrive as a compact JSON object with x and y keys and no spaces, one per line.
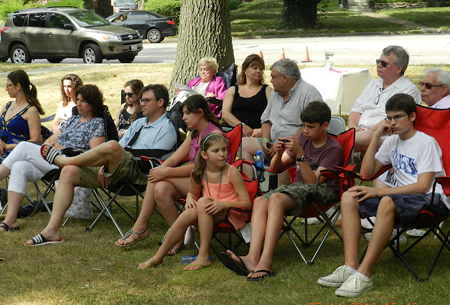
{"x":205,"y":30}
{"x":300,"y":13}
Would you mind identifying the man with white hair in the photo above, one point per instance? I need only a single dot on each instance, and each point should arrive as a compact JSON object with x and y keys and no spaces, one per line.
{"x":434,"y":88}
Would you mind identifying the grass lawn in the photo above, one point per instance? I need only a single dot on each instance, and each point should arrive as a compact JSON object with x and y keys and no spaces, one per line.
{"x":89,"y":269}
{"x":437,"y":17}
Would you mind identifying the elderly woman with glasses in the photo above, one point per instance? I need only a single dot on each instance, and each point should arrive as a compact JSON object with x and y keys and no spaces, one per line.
{"x":128,"y":112}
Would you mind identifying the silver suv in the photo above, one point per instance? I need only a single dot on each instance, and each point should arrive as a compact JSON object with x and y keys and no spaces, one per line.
{"x":56,"y":33}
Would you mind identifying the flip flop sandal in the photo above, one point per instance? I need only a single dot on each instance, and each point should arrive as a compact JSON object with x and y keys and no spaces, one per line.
{"x":40,"y":240}
{"x":140,"y":237}
{"x":259,"y":278}
{"x":231,"y":264}
{"x":51,"y":155}
{"x":176,"y":249}
{"x":6,"y":228}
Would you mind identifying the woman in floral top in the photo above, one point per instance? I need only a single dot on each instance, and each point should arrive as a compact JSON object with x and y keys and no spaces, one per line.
{"x":25,"y":164}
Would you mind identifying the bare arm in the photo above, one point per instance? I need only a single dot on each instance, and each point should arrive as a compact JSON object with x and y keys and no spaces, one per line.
{"x":116,"y":120}
{"x":55,"y":123}
{"x":193,"y":194}
{"x":371,"y":166}
{"x":353,"y":120}
{"x":96,"y":141}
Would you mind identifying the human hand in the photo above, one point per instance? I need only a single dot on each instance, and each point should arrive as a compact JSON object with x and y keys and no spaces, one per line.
{"x":256,"y":133}
{"x":176,"y":91}
{"x":190,"y":203}
{"x":101,"y":179}
{"x":157,"y":174}
{"x":50,"y":142}
{"x":213,"y":207}
{"x":248,"y":131}
{"x":383,"y":128}
{"x":210,"y":95}
{"x":364,"y":192}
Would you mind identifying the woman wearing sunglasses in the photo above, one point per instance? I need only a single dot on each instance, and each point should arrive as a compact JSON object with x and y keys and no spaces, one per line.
{"x":129,"y":110}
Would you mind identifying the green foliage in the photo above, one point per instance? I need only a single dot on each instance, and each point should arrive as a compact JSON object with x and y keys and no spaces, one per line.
{"x":169,"y":8}
{"x":235,"y":4}
{"x":76,"y":3}
{"x":394,"y":1}
{"x":9,"y":6}
{"x":442,"y":3}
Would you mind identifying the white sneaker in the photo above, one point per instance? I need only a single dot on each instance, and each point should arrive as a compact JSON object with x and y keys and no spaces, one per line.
{"x":402,"y":239}
{"x":366,"y":224}
{"x":416,"y":232}
{"x":316,"y":221}
{"x":336,"y":279}
{"x":353,"y":286}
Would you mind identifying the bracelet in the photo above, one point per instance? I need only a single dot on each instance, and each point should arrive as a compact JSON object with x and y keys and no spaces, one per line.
{"x":243,"y":124}
{"x":265,"y":139}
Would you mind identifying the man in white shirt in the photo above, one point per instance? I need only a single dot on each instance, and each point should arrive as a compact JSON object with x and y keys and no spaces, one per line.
{"x":369,"y":109}
{"x":434,"y":88}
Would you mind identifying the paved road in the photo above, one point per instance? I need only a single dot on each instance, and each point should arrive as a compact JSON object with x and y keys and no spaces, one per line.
{"x":424,"y":49}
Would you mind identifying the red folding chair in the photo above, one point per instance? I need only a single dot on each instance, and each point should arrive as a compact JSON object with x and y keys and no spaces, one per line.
{"x":435,"y":123}
{"x":318,"y":209}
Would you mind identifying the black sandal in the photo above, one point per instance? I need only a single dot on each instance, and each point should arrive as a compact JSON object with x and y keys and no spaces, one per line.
{"x":7,"y":228}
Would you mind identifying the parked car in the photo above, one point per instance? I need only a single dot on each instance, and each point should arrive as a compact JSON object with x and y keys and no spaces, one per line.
{"x":55,"y":33}
{"x":124,"y":5}
{"x":150,"y":25}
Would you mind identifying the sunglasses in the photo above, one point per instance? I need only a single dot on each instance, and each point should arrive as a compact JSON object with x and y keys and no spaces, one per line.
{"x":382,"y":62}
{"x":428,"y":85}
{"x":129,"y":94}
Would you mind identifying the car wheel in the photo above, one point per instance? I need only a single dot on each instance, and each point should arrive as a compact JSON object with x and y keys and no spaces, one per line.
{"x":92,"y":54}
{"x":154,"y":36}
{"x":55,"y":60}
{"x":126,"y":60}
{"x":20,"y":55}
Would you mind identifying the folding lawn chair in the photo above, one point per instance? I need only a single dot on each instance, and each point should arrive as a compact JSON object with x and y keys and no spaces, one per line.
{"x":145,"y":160}
{"x":316,"y":208}
{"x":435,"y":123}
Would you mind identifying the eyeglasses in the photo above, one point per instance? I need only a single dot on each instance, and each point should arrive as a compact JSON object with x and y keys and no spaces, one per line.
{"x":394,"y":118}
{"x":146,"y":100}
{"x":9,"y":85}
{"x":428,"y":85}
{"x":383,"y":63}
{"x":377,"y":100}
{"x":129,"y":95}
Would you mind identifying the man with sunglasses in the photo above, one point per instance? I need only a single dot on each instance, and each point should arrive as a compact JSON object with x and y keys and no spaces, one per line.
{"x":109,"y":162}
{"x":416,"y":159}
{"x":434,"y":88}
{"x":368,"y":111}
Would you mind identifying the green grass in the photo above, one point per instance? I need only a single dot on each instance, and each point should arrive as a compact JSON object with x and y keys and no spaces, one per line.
{"x":89,"y":269}
{"x":437,"y":17}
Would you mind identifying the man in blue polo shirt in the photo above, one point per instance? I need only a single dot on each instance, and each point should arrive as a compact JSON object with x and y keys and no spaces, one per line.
{"x":109,"y":162}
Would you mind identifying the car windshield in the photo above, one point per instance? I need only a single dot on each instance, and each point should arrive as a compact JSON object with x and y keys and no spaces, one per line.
{"x":87,"y":19}
{"x":125,"y":2}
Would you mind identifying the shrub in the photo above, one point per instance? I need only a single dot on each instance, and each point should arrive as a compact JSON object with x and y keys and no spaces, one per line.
{"x":169,"y":8}
{"x":235,"y":4}
{"x":76,"y":3}
{"x":9,"y":6}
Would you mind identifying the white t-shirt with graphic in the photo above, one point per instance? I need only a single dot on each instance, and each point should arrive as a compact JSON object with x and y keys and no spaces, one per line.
{"x":409,"y":158}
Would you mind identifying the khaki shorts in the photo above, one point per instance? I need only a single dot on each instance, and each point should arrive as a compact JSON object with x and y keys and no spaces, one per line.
{"x":88,"y":175}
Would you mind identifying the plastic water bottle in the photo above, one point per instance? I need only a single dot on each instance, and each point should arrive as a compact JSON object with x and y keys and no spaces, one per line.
{"x":259,"y":163}
{"x":187,"y":259}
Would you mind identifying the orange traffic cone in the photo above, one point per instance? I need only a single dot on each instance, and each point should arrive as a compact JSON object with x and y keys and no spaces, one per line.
{"x":282,"y":54}
{"x":306,"y":56}
{"x":261,"y":55}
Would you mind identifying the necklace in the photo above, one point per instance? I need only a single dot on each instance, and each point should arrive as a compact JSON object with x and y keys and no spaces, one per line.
{"x":207,"y":183}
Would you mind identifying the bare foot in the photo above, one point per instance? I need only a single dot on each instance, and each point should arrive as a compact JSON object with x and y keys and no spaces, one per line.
{"x":198,"y":264}
{"x":261,"y":266}
{"x":6,"y":226}
{"x":150,"y":263}
{"x":249,"y":263}
{"x":132,"y":237}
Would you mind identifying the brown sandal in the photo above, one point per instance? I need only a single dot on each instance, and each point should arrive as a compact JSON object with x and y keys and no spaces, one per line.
{"x":176,"y":249}
{"x":140,"y":236}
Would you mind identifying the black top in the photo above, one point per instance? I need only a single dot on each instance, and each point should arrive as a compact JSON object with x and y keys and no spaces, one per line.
{"x":249,"y":110}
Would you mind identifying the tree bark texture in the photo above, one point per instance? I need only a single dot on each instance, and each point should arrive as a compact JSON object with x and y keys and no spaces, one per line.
{"x":205,"y":31}
{"x":300,"y":13}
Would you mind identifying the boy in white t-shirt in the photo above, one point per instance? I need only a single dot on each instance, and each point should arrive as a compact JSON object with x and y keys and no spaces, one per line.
{"x":416,"y":159}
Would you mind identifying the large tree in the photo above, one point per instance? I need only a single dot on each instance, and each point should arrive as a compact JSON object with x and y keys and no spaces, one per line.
{"x":205,"y":30}
{"x":300,"y":13}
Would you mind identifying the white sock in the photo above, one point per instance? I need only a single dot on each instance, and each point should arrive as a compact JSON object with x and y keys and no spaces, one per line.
{"x":363,"y":276}
{"x":350,"y":269}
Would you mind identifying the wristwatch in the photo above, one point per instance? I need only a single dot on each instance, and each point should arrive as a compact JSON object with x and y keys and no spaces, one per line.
{"x":302,"y":158}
